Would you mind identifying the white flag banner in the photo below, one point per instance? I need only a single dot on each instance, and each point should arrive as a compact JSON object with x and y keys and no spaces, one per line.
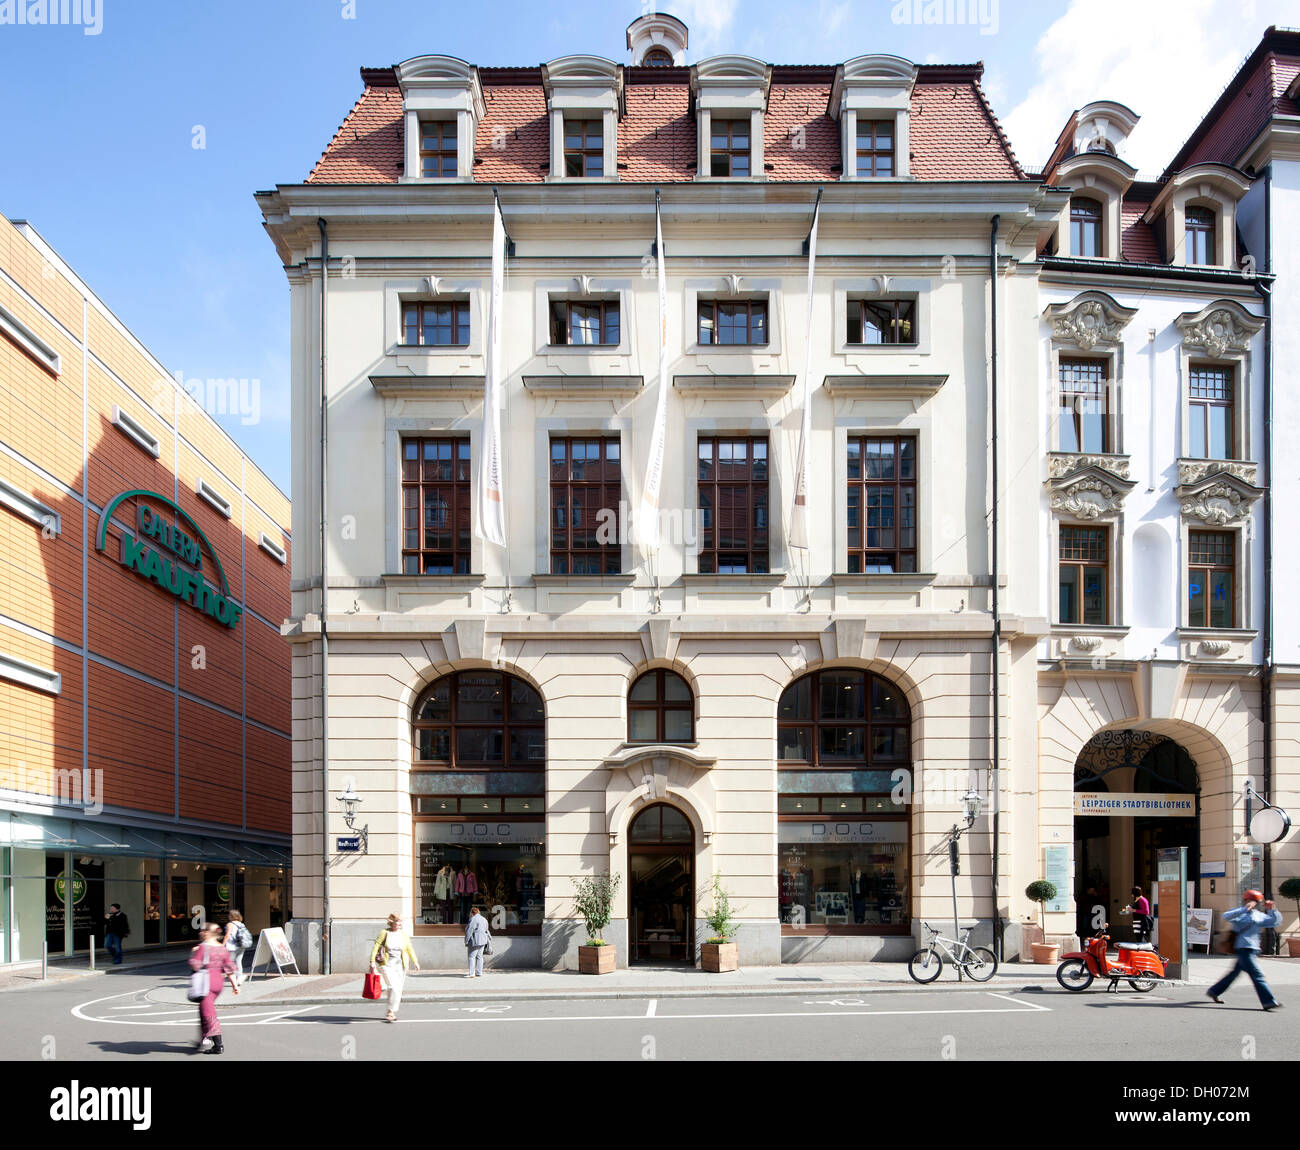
{"x":491,"y":506}
{"x":648,"y":517}
{"x":802,"y":484}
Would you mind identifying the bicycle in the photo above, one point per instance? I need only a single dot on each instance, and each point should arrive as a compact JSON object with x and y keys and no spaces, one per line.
{"x":977,"y":962}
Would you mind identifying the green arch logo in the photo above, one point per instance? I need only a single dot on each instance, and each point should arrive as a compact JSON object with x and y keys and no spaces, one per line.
{"x":78,"y":887}
{"x":166,"y":554}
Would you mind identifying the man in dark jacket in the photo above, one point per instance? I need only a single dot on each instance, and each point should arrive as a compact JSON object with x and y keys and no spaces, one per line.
{"x":116,"y":930}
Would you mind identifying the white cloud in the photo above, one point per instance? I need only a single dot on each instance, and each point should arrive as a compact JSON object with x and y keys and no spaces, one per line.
{"x":710,"y":23}
{"x":1168,"y":60}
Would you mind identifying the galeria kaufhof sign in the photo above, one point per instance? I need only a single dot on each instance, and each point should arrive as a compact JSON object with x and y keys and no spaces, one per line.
{"x":170,"y":557}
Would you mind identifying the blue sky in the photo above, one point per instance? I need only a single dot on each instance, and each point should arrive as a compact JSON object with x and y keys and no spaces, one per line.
{"x":100,"y":129}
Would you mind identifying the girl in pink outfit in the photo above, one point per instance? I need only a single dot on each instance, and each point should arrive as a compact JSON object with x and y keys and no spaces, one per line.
{"x":211,"y":953}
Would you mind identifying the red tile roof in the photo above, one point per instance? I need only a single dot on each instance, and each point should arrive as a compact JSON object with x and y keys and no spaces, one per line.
{"x":954,"y":133}
{"x":1138,"y":243}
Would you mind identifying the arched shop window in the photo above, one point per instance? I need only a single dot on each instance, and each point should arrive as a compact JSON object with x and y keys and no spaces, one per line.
{"x":478,"y":786}
{"x":660,"y":709}
{"x":844,"y":767}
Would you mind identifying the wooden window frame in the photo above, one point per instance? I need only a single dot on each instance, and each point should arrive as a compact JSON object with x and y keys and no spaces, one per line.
{"x":1199,"y":406}
{"x":1207,"y":568}
{"x":1080,"y":215}
{"x":1078,"y":393}
{"x":458,"y":327}
{"x":756,"y":555}
{"x":657,"y":58}
{"x":814,"y":725}
{"x":731,"y":153}
{"x":442,"y":152}
{"x":453,"y":723}
{"x":902,"y":317}
{"x":587,"y":155}
{"x":753,"y":308}
{"x":608,"y":556}
{"x":659,"y":706}
{"x":1205,"y":226}
{"x":1080,"y":565}
{"x":859,"y":557}
{"x":413,"y":499}
{"x":610,"y":321}
{"x":872,"y":154}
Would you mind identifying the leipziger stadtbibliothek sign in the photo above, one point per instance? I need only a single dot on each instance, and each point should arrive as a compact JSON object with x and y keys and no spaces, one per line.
{"x":164,"y":554}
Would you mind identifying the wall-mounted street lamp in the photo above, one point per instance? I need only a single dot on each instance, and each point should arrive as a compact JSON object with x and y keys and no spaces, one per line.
{"x":349,"y":798}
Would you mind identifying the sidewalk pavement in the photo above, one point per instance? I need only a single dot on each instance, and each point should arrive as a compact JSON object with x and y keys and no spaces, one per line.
{"x":63,"y":969}
{"x":686,"y":982}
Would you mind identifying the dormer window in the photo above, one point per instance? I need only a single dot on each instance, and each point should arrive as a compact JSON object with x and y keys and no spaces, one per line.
{"x":1200,"y":236}
{"x":657,"y":58}
{"x":729,"y":148}
{"x":438,"y":149}
{"x":584,"y":148}
{"x":1085,"y":227}
{"x":875,"y":148}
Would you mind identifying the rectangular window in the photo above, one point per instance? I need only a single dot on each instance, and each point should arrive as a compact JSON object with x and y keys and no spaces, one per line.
{"x":842,"y":873}
{"x":584,"y":323}
{"x":1210,"y":569}
{"x":436,"y":517}
{"x":1085,"y":227}
{"x":880,"y":321}
{"x":1084,"y":563}
{"x":438,"y":149}
{"x":733,"y":506}
{"x":584,"y":148}
{"x":1210,"y":400}
{"x":1084,"y":415}
{"x":586,"y":487}
{"x":459,"y":868}
{"x":882,"y":504}
{"x":442,"y":324}
{"x":729,"y":148}
{"x":733,"y":322}
{"x":1200,"y":236}
{"x":875,"y":148}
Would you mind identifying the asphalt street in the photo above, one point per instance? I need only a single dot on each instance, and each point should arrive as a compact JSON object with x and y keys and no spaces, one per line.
{"x":144,"y":1018}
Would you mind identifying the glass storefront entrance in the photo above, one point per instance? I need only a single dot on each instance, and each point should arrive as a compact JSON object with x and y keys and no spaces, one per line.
{"x":661,"y":892}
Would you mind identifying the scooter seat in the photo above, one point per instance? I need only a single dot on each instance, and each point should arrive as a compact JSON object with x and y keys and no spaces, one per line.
{"x":1136,"y":946}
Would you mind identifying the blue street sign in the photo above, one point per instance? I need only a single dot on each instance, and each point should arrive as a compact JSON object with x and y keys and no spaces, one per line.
{"x":348,"y":842}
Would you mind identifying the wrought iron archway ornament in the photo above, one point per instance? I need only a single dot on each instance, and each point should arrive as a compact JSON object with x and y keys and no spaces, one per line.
{"x":1109,"y":751}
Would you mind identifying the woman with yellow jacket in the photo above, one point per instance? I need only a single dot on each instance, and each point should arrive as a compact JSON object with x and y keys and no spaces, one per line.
{"x":390,"y":957}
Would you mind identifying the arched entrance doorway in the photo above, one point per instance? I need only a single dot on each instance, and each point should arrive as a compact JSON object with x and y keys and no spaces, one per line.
{"x":661,"y":889}
{"x":1117,"y":851}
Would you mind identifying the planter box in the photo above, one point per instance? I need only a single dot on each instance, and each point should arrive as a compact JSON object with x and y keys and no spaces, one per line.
{"x":597,"y":959}
{"x":719,"y":957}
{"x":1293,"y":946}
{"x":1045,"y":953}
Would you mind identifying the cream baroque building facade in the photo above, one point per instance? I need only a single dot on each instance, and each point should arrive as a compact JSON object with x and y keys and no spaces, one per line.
{"x":801,"y":724}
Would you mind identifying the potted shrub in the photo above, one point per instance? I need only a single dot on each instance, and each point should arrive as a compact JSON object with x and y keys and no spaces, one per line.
{"x":594,"y":901}
{"x":718,"y":953}
{"x":1290,"y":888}
{"x":1041,"y":891}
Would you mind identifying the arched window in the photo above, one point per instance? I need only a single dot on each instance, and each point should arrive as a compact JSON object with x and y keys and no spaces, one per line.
{"x":660,"y":709}
{"x":1085,"y":227}
{"x":657,"y":58}
{"x":1200,"y":236}
{"x":478,"y":787}
{"x":480,"y":719}
{"x":844,"y":760}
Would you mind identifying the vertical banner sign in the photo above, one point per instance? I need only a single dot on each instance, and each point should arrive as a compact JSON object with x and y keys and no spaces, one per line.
{"x":1057,"y":871}
{"x":491,"y":508}
{"x":799,"y":512}
{"x":648,"y":520}
{"x":1171,"y":925}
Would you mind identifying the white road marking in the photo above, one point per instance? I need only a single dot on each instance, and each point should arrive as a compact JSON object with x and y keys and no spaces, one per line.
{"x":1033,"y":1005}
{"x":650,"y":1010}
{"x":837,"y":1002}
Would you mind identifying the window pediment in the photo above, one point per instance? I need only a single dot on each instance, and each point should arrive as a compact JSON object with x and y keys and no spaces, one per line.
{"x":731,"y":82}
{"x":440,"y":82}
{"x":1222,"y":328}
{"x":1088,"y":487}
{"x":1219,"y":498}
{"x":1092,"y":319}
{"x":1097,"y":170}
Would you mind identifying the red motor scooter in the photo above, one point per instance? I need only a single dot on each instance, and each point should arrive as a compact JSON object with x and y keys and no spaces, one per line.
{"x":1138,"y":963}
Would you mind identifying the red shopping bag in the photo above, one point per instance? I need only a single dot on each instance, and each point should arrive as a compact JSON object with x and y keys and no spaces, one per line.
{"x":372,"y":987}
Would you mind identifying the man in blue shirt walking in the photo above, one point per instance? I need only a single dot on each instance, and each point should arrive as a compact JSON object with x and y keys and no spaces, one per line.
{"x":1248,"y":922}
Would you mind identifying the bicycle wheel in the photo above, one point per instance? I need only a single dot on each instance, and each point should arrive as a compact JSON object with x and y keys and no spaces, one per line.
{"x":925,"y":965}
{"x":980,"y":963}
{"x":1073,"y":974}
{"x":1143,"y":985}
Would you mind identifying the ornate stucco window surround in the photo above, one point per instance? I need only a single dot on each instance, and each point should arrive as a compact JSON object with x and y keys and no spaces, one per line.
{"x":583,"y":89}
{"x":1216,"y":188}
{"x":873,"y":89}
{"x":730,"y":88}
{"x":440,"y":88}
{"x":1220,"y":335}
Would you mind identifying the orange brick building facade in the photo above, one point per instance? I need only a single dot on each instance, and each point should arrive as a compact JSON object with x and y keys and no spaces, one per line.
{"x":144,"y":743}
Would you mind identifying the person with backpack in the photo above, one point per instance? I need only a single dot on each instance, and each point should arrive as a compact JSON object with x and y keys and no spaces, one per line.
{"x":239,"y":941}
{"x":116,"y":930}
